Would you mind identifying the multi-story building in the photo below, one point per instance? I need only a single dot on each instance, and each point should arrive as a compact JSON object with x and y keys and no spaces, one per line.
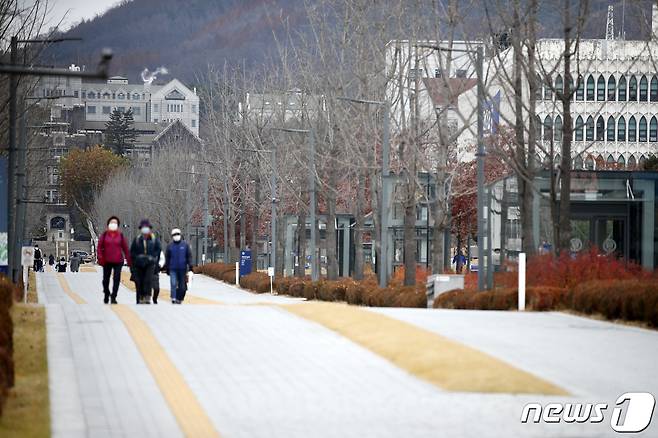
{"x":157,"y":104}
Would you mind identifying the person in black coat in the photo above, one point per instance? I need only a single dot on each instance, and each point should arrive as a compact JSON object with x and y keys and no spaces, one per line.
{"x":145,"y":254}
{"x":61,"y":265}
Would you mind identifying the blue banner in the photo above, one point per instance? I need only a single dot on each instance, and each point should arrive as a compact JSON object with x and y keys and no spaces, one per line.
{"x":245,"y":263}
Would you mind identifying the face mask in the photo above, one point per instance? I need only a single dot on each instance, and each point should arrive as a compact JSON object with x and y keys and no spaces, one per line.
{"x":113,"y":226}
{"x":176,"y":238}
{"x":146,"y":230}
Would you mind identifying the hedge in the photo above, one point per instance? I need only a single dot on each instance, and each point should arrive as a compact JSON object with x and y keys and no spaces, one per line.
{"x":7,"y":293}
{"x":365,"y":292}
{"x":538,"y":298}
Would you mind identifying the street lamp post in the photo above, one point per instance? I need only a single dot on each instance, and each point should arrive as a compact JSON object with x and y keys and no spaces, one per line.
{"x":15,"y":70}
{"x":315,"y":271}
{"x":385,"y":198}
{"x":481,"y":154}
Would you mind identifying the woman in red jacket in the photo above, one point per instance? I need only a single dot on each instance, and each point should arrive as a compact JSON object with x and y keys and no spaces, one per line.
{"x":112,"y":248}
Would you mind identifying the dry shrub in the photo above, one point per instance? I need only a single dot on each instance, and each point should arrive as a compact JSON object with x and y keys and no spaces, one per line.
{"x":631,"y":300}
{"x":537,"y":298}
{"x":215,"y":270}
{"x":397,"y":279}
{"x":258,"y":282}
{"x":7,"y":292}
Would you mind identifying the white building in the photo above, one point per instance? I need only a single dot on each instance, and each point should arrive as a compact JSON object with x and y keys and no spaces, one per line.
{"x":158,"y":104}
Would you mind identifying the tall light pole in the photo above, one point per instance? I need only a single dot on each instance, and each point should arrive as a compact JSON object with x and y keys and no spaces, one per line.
{"x":481,"y":154}
{"x":15,"y":70}
{"x":315,"y":271}
{"x":385,"y":198}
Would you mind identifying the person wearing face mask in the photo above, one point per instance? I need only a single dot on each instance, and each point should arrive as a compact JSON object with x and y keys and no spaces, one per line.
{"x":111,"y":250}
{"x":178,"y":262}
{"x":145,"y":253}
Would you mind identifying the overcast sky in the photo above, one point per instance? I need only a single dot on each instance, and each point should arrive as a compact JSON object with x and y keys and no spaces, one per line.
{"x":75,"y":10}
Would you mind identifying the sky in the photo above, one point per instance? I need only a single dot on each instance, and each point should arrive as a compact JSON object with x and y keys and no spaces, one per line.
{"x":76,"y":10}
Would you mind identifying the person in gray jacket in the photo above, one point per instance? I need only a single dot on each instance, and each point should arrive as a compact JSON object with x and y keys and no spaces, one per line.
{"x":74,"y":262}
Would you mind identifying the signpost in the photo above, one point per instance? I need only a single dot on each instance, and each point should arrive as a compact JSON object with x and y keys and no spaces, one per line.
{"x":270,"y":273}
{"x":245,"y":262}
{"x":27,"y":260}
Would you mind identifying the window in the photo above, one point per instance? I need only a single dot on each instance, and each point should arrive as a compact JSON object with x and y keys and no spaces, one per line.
{"x":612,"y":88}
{"x":156,"y":107}
{"x":76,"y":93}
{"x":643,"y":129}
{"x":621,"y":129}
{"x":589,"y":129}
{"x":578,"y":162}
{"x":193,"y":123}
{"x":579,"y":129}
{"x":559,"y":87}
{"x":580,"y":90}
{"x":557,"y":132}
{"x":644,"y":89}
{"x":461,"y":73}
{"x":653,"y":129}
{"x":632,"y":162}
{"x":590,"y":88}
{"x":548,"y":128}
{"x":610,"y":135}
{"x":121,"y":96}
{"x":600,"y":129}
{"x":654,"y":89}
{"x":610,"y":160}
{"x":84,"y":94}
{"x":548,"y":93}
{"x":621,"y":161}
{"x":621,"y":89}
{"x":632,"y":89}
{"x":106,"y":110}
{"x":193,"y":109}
{"x":121,"y":109}
{"x":538,"y":127}
{"x":571,"y":89}
{"x":136,"y":110}
{"x":600,"y":88}
{"x":91,"y":95}
{"x":135,"y":96}
{"x":91,"y":109}
{"x":437,"y":73}
{"x":632,"y":127}
{"x":589,"y":163}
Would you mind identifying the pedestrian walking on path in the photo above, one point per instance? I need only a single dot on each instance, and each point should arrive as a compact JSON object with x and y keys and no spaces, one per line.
{"x":38,"y":259}
{"x":51,"y":260}
{"x":74,"y":261}
{"x":61,"y":266}
{"x":145,"y":253}
{"x":156,"y":277}
{"x":112,"y":251}
{"x":178,"y":262}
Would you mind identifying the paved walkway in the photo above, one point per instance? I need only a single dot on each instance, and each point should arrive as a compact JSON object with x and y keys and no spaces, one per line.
{"x":249,"y":368}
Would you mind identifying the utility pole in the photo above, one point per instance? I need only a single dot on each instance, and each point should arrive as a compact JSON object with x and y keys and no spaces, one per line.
{"x":385,"y":198}
{"x":480,"y":169}
{"x":206,"y":218}
{"x":273,"y":180}
{"x":14,"y":71}
{"x":315,"y":272}
{"x":11,"y":195}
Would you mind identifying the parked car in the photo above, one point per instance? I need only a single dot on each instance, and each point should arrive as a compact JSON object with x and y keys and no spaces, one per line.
{"x":85,"y":257}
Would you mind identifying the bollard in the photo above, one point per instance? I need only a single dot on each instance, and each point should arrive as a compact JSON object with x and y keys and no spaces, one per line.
{"x":237,"y":273}
{"x":522,"y":281}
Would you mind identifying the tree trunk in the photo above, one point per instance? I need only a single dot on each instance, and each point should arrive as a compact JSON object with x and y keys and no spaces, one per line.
{"x":332,"y":259}
{"x":410,"y":235}
{"x":254,"y":222}
{"x":526,"y":191}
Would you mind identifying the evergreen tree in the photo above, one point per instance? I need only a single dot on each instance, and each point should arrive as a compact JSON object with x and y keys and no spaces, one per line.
{"x":120,"y":135}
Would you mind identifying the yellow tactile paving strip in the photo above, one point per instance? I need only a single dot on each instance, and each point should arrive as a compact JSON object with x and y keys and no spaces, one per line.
{"x":448,"y":364}
{"x":191,"y":417}
{"x":87,"y":268}
{"x":67,"y":289}
{"x":165,"y":293}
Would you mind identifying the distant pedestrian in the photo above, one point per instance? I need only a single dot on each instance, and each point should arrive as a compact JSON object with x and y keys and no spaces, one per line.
{"x":145,"y":253}
{"x":61,"y":266}
{"x":51,"y":260}
{"x":38,"y":259}
{"x":155,"y":284}
{"x":178,"y":262}
{"x":112,"y":250}
{"x":75,"y":262}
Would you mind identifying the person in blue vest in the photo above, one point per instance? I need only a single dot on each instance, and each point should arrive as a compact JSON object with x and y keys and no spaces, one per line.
{"x":178,"y":262}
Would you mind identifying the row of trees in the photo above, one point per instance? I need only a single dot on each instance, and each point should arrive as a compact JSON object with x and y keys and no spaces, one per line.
{"x":355,"y":49}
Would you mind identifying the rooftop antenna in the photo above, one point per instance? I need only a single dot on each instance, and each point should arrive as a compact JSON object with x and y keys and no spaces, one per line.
{"x":610,"y":24}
